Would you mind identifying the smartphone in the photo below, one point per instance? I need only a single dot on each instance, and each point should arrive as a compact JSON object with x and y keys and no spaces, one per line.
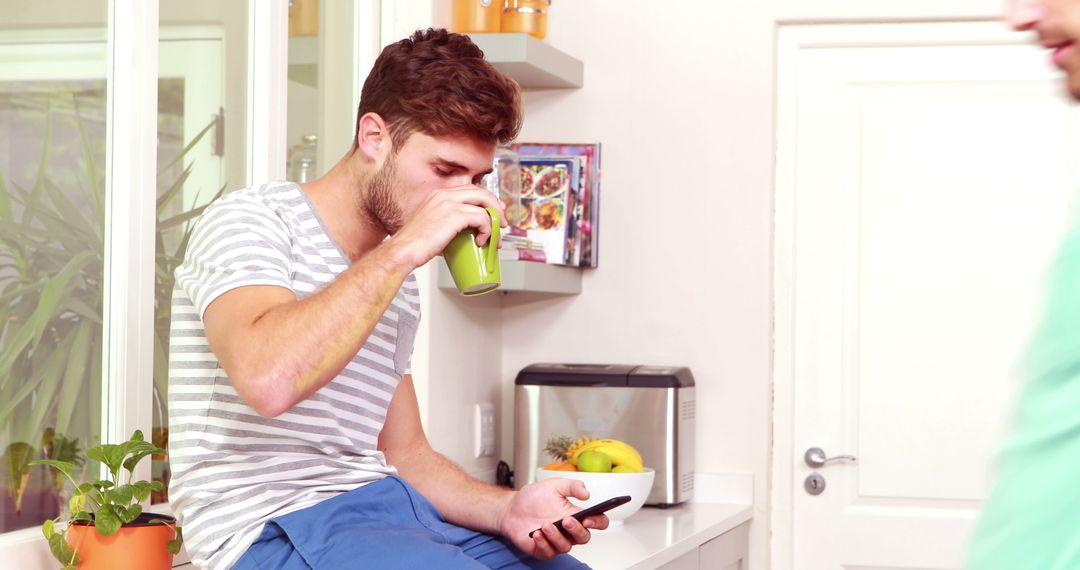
{"x":593,"y":510}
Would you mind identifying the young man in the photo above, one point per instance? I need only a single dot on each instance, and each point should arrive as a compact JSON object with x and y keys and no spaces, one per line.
{"x":1032,"y":518}
{"x":295,"y":437}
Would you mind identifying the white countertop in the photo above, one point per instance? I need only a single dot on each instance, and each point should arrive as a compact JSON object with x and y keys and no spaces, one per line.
{"x":652,"y":537}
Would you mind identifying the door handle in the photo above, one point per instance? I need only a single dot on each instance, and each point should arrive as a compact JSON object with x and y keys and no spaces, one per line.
{"x":815,"y":457}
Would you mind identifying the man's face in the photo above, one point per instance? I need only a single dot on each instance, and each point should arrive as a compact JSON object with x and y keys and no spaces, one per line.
{"x":1058,"y":24}
{"x":421,"y":166}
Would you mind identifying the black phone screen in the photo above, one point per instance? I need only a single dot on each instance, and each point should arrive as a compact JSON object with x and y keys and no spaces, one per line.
{"x":593,"y":510}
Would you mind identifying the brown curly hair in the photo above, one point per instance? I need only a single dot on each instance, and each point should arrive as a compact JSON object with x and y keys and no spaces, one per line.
{"x":438,"y":83}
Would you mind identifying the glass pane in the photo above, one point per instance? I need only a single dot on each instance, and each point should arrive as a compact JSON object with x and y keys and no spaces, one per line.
{"x":201,"y":144}
{"x":52,"y":200}
{"x":323,"y":73}
{"x":302,"y":127}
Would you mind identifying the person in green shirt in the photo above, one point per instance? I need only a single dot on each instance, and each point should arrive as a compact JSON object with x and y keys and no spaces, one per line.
{"x":1032,"y":516}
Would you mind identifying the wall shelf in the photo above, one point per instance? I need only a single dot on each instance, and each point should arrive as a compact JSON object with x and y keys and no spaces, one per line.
{"x":531,"y":62}
{"x":521,"y":276}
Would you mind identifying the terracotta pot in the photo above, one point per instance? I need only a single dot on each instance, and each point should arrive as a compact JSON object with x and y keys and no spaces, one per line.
{"x":138,"y":545}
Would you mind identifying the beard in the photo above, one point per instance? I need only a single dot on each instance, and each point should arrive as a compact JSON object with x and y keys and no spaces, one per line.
{"x":377,"y":199}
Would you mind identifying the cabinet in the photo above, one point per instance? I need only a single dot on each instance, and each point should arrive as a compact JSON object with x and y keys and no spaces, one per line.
{"x":690,"y":536}
{"x":725,"y":552}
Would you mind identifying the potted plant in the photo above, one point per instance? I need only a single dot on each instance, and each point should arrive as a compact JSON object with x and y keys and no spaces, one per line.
{"x":108,"y":528}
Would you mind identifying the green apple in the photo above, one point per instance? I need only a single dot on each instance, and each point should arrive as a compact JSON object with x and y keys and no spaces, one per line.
{"x":594,"y":462}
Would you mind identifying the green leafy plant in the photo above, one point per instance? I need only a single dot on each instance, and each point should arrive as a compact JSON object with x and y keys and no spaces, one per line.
{"x":108,"y":503}
{"x":52,"y":251}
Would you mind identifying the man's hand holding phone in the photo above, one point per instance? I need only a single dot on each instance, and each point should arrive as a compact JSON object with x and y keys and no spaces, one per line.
{"x":596,"y":509}
{"x":535,"y":506}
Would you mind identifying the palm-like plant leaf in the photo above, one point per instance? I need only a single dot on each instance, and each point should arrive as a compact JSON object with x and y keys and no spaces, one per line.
{"x":51,"y":295}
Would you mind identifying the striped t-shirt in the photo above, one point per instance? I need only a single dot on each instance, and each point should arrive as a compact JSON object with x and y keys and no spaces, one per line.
{"x":232,"y":468}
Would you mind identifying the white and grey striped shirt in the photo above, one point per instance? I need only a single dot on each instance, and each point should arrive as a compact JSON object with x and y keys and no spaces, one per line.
{"x":232,"y":468}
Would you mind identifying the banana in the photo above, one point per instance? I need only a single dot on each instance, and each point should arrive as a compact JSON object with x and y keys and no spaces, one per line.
{"x":620,"y":452}
{"x":622,"y":455}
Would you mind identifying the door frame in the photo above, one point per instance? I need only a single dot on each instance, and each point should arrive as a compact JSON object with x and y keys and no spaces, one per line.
{"x":791,"y":41}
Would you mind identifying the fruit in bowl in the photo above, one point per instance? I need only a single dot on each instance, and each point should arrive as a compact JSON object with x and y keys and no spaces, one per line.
{"x":608,"y":467}
{"x":603,"y":486}
{"x":593,"y":455}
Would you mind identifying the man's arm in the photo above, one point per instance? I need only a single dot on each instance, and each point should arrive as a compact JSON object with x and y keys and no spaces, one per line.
{"x":406,"y":447}
{"x":467,"y":502}
{"x":278,"y":350}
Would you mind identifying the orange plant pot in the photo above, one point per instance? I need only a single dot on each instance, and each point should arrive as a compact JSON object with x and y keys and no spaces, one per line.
{"x":140,"y":545}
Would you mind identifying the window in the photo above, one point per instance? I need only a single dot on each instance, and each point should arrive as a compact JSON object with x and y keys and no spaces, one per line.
{"x":83,"y":346}
{"x":52,"y":233}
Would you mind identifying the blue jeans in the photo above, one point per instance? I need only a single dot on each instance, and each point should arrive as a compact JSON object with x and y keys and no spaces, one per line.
{"x":386,"y":525}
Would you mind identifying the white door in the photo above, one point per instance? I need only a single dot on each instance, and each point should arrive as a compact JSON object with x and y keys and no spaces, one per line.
{"x":923,"y":183}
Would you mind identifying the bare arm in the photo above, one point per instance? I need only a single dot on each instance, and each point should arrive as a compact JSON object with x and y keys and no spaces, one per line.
{"x":278,"y":350}
{"x":467,"y":502}
{"x":452,"y":490}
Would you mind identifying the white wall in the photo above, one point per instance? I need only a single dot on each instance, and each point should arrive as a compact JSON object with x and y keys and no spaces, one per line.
{"x":682,"y":103}
{"x":886,"y":10}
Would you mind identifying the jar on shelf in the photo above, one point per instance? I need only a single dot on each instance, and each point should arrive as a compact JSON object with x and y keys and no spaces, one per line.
{"x":477,"y":16}
{"x":302,"y":162}
{"x":526,"y":16}
{"x":303,"y":18}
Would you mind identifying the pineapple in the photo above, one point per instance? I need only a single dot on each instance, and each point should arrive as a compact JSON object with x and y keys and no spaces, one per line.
{"x":574,"y":450}
{"x":556,"y":447}
{"x":562,"y":448}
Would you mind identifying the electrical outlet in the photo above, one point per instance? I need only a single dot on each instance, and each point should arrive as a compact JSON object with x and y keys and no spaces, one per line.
{"x":484,"y":430}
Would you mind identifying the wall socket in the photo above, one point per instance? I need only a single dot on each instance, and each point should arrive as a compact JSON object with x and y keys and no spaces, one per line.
{"x":484,"y":430}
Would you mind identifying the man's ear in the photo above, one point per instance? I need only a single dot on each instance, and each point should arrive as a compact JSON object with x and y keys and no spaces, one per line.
{"x":373,"y":137}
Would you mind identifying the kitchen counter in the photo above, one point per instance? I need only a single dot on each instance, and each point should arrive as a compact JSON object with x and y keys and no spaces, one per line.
{"x":653,"y":537}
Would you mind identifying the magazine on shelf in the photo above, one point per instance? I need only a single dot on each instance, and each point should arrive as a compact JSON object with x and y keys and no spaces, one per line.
{"x":587,"y":218}
{"x":545,"y":213}
{"x":517,"y":248}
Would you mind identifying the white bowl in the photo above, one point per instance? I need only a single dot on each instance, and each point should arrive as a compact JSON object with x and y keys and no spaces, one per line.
{"x":603,"y":486}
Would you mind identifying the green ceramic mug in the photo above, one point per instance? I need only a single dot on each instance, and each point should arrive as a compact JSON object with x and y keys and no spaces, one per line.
{"x":475,"y":269}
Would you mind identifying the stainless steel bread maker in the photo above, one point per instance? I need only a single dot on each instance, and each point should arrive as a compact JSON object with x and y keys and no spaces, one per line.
{"x":651,"y":408}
